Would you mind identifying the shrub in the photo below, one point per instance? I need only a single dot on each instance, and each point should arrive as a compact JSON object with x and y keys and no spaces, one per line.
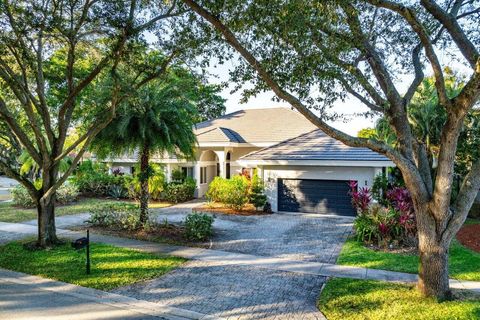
{"x":234,"y":192}
{"x":198,"y":226}
{"x":379,"y":189}
{"x":178,"y":176}
{"x":93,"y":178}
{"x":257,"y":196}
{"x":21,"y":197}
{"x":180,"y":192}
{"x":384,"y":225}
{"x":116,"y":215}
{"x":66,"y":194}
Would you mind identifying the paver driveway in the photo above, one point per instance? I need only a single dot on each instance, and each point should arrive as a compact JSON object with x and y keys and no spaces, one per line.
{"x":249,"y":292}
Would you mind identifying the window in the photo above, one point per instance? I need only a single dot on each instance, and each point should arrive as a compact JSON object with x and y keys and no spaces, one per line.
{"x":187,"y":172}
{"x":203,"y":175}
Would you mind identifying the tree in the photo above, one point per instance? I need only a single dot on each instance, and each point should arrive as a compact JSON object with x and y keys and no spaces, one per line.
{"x":159,"y":118}
{"x":313,"y":53}
{"x":53,"y":56}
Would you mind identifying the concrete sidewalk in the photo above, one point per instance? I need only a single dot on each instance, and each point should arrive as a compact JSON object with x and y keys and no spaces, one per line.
{"x":28,"y":297}
{"x":223,"y":258}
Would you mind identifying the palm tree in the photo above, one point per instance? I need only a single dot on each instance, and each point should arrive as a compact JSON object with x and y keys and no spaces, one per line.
{"x":159,"y":118}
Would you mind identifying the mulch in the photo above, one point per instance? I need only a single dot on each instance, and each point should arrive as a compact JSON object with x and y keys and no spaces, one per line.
{"x":469,"y":236}
{"x":164,"y":233}
{"x":223,"y":210}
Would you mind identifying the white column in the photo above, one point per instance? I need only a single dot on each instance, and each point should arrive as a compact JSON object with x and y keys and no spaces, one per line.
{"x":168,"y":172}
{"x":221,"y":162}
{"x":196,"y":176}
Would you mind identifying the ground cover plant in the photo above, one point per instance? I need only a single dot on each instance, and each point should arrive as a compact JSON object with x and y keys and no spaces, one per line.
{"x":349,"y":299}
{"x":112,"y":266}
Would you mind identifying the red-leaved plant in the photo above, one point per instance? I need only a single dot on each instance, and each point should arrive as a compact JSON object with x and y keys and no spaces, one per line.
{"x":361,"y":198}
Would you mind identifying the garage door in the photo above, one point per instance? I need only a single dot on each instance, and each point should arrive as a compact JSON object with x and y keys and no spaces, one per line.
{"x":315,"y":196}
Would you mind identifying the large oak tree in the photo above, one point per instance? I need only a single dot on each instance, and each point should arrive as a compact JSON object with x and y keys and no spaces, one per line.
{"x":311,"y":53}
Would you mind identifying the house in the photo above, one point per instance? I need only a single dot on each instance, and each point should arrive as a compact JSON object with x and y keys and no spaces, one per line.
{"x":304,"y":170}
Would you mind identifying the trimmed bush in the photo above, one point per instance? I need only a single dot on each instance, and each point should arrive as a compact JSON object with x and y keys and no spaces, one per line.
{"x":198,"y":226}
{"x":234,"y":192}
{"x":180,"y":192}
{"x":116,"y":215}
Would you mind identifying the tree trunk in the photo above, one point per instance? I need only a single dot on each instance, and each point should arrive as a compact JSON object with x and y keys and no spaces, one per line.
{"x":144,"y":175}
{"x":433,"y":270}
{"x":47,"y":234}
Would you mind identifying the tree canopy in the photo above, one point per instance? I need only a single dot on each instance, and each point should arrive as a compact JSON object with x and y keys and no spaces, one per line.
{"x":311,"y":54}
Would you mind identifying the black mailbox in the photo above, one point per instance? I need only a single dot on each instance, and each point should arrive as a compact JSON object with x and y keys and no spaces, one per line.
{"x":80,"y":243}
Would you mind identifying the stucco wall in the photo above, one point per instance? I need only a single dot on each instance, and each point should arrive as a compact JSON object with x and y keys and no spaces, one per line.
{"x":364,"y":176}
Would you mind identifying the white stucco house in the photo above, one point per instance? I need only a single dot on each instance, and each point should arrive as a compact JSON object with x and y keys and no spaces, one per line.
{"x":304,"y":170}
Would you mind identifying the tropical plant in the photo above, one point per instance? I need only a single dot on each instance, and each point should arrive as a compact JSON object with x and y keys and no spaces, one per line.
{"x":156,"y":183}
{"x":157,"y":119}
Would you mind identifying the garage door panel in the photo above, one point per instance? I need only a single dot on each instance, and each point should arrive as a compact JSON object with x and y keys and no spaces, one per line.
{"x":315,"y":196}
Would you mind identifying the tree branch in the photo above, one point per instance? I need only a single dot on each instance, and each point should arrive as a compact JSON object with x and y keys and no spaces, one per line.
{"x":407,"y":166}
{"x":449,"y":21}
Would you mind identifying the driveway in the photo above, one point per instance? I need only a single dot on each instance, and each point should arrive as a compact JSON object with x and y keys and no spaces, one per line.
{"x":251,"y":292}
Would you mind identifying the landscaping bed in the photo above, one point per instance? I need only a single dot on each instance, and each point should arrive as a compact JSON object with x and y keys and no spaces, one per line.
{"x":247,"y":210}
{"x":348,"y":299}
{"x":469,"y":236}
{"x":163,"y":233}
{"x":12,"y":213}
{"x":111,"y":266}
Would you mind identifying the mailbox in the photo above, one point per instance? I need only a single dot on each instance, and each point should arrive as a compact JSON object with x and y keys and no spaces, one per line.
{"x":80,"y":243}
{"x":84,"y":243}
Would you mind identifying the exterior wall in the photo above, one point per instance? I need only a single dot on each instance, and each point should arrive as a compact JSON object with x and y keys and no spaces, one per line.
{"x":271,"y":174}
{"x":237,"y":153}
{"x":125,"y":168}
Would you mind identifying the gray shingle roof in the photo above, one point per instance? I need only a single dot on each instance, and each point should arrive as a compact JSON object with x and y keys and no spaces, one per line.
{"x":254,"y":126}
{"x":314,"y":145}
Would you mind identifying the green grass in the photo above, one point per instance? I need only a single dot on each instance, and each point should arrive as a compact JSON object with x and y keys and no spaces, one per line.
{"x":112,"y":267}
{"x":11,"y":213}
{"x":463,"y":263}
{"x":347,"y":299}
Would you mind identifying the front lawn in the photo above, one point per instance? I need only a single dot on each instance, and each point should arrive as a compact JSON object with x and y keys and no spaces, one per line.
{"x":348,"y":299}
{"x":12,"y":213}
{"x":112,"y":267}
{"x":464,"y":263}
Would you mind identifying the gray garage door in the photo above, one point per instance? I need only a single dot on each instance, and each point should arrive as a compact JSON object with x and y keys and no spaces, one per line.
{"x":315,"y":196}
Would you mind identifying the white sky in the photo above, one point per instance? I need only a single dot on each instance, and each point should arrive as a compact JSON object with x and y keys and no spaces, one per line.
{"x":264,"y":100}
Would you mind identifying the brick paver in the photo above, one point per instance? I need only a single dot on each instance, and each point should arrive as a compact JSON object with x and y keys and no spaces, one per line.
{"x":234,"y":292}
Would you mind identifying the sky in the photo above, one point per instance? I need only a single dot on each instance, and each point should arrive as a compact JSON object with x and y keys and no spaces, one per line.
{"x":219,"y":73}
